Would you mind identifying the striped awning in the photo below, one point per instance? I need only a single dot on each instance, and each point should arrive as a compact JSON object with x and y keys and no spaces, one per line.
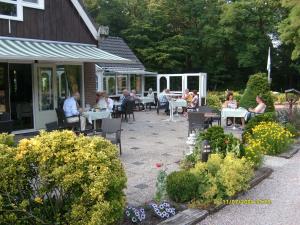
{"x":28,"y":49}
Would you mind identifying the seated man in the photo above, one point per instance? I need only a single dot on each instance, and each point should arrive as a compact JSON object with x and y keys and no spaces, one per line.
{"x":124,"y":99}
{"x":164,"y":101}
{"x":72,"y":110}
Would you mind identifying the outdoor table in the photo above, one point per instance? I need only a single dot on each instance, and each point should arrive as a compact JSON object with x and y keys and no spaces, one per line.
{"x":174,"y":103}
{"x":145,"y":101}
{"x":93,"y":116}
{"x":235,"y":113}
{"x":213,"y":116}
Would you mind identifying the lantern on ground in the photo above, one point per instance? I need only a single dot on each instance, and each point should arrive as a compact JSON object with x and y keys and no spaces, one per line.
{"x":206,"y":150}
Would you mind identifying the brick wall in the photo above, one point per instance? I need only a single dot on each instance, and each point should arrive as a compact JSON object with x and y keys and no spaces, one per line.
{"x":90,"y":83}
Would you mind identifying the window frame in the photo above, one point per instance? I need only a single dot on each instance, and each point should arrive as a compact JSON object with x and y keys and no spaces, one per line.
{"x":19,"y":6}
{"x":39,"y":5}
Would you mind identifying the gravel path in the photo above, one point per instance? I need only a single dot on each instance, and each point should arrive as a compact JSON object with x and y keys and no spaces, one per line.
{"x":282,"y":188}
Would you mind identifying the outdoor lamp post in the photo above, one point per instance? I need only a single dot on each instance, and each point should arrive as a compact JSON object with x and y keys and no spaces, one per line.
{"x":206,"y":150}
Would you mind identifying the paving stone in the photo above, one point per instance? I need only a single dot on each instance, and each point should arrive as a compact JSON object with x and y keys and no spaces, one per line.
{"x":135,"y":148}
{"x":141,"y":186}
{"x":132,"y":138}
{"x":137,"y":163}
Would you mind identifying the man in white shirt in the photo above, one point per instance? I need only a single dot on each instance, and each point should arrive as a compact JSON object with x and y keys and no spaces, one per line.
{"x":72,"y":110}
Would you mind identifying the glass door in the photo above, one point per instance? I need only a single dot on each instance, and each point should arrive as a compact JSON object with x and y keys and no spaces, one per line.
{"x":45,"y":95}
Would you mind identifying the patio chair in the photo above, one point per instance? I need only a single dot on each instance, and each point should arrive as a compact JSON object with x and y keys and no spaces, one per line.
{"x":197,"y":121}
{"x":51,"y":126}
{"x":63,"y":123}
{"x":112,"y":126}
{"x":207,"y":109}
{"x":165,"y":107}
{"x":4,"y":116}
{"x":6,"y":126}
{"x":128,"y":110}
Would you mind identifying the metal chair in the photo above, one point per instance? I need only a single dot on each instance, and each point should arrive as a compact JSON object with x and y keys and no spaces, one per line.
{"x":112,"y":126}
{"x":62,"y":120}
{"x":6,"y":126}
{"x":128,"y":110}
{"x":197,"y":121}
{"x":206,"y":109}
{"x":165,"y":107}
{"x":51,"y":126}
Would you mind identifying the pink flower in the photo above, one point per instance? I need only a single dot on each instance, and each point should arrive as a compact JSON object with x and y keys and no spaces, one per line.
{"x":158,"y":165}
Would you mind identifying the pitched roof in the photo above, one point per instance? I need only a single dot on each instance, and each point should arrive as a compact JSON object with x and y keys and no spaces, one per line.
{"x":79,"y":6}
{"x":117,"y":46}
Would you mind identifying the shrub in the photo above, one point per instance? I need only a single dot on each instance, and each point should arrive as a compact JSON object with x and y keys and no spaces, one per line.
{"x":214,"y":101}
{"x":265,"y":117}
{"x":182,"y":186}
{"x":7,"y":139}
{"x":254,"y":152}
{"x":221,"y":142}
{"x":221,"y":178}
{"x":257,"y":85}
{"x":272,"y":137}
{"x":278,"y":98}
{"x":291,"y":128}
{"x":59,"y":178}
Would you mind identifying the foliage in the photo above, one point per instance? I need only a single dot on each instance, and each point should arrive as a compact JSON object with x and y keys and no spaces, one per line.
{"x":227,"y":39}
{"x":257,"y":86}
{"x":134,"y":214}
{"x":291,"y":128}
{"x":181,"y":186}
{"x":265,"y":117}
{"x":221,"y":178}
{"x":254,"y":152}
{"x":295,"y":118}
{"x":7,"y":139}
{"x":163,"y":210}
{"x":272,"y":137}
{"x":59,"y":178}
{"x":161,"y":192}
{"x":221,"y":142}
{"x":279,"y":98}
{"x":190,"y":160}
{"x":290,"y":27}
{"x":213,"y":101}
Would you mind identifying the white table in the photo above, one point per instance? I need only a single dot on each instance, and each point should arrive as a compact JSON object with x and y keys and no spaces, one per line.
{"x":173,"y":104}
{"x":235,"y":113}
{"x":93,"y":116}
{"x":145,"y":100}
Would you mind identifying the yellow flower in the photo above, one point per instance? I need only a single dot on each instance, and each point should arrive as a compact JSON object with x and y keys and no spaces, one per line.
{"x":38,"y":200}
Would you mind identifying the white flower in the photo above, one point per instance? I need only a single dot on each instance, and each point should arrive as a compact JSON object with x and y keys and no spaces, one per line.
{"x":133,"y":219}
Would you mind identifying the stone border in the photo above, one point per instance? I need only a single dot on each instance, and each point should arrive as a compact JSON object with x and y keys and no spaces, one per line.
{"x":194,"y":216}
{"x":290,"y":153}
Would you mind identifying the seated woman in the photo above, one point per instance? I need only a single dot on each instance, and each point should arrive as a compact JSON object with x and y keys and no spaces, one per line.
{"x":231,"y":104}
{"x":259,"y":109}
{"x":195,"y":100}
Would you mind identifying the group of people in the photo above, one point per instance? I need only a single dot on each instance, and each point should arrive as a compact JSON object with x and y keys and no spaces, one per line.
{"x":233,"y":104}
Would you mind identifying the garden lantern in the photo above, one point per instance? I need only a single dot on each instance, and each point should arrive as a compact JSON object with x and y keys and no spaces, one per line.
{"x":206,"y":150}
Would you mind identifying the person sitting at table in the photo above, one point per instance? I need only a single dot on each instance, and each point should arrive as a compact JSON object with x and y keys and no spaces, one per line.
{"x":187,"y":96}
{"x":164,"y":101}
{"x":195,"y":100}
{"x":133,"y":95}
{"x":150,"y":94}
{"x":230,"y":102}
{"x":72,"y":110}
{"x":101,"y":101}
{"x":259,"y":109}
{"x":124,"y":99}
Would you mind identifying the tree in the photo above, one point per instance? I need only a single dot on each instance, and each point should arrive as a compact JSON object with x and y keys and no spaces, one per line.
{"x":257,"y":86}
{"x":290,"y":27}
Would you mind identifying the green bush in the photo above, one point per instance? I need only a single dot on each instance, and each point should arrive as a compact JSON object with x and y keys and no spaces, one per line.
{"x":265,"y":117}
{"x":257,"y":85}
{"x":213,"y":101}
{"x":7,"y":139}
{"x":182,"y":186}
{"x":221,"y":178}
{"x":221,"y":142}
{"x":291,"y":128}
{"x":59,"y":178}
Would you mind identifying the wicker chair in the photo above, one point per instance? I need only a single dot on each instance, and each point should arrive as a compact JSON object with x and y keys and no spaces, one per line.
{"x":197,"y":121}
{"x":112,"y":126}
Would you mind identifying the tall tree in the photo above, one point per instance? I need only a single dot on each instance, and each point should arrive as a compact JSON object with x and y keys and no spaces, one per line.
{"x":290,"y":27}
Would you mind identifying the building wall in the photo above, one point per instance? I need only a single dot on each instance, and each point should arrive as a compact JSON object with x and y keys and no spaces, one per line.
{"x":90,"y":83}
{"x":60,"y":21}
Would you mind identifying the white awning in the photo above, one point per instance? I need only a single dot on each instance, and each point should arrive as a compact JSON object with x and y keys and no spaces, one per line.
{"x":28,"y":49}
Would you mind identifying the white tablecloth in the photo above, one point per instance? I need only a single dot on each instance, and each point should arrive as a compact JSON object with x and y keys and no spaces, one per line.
{"x":178,"y":103}
{"x":240,"y":112}
{"x":91,"y":116}
{"x":145,"y":100}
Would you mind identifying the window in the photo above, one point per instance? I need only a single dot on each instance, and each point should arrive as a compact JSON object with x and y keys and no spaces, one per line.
{"x":176,"y":83}
{"x":136,"y":83}
{"x":11,"y":9}
{"x":193,"y":83}
{"x":109,"y":85}
{"x":38,"y":4}
{"x":150,"y":82}
{"x":121,"y":83}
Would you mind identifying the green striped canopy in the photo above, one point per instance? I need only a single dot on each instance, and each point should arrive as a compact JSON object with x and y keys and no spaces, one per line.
{"x":25,"y":49}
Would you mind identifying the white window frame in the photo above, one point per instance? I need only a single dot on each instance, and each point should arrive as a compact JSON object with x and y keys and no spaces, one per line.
{"x":19,"y":5}
{"x":39,"y":5}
